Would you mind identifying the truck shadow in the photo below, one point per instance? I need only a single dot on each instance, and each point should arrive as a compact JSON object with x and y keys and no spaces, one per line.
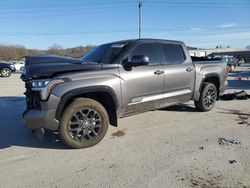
{"x":13,"y":131}
{"x":180,"y":108}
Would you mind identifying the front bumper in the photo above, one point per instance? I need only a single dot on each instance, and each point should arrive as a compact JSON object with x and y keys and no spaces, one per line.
{"x":44,"y":117}
{"x":36,"y":119}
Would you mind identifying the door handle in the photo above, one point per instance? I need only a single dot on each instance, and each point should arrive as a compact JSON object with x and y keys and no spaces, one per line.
{"x":158,"y":72}
{"x":189,"y":69}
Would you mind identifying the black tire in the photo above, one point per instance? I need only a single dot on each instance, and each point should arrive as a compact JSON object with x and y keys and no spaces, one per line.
{"x":76,"y":125}
{"x":207,"y":98}
{"x":22,"y":69}
{"x":5,"y":72}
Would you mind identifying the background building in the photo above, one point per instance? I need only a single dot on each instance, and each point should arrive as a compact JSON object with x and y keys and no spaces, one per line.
{"x":220,"y":51}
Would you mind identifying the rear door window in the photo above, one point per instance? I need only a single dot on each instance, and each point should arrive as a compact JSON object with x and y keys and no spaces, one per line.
{"x":173,"y":54}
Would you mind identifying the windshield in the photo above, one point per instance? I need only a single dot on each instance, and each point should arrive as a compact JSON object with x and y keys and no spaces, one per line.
{"x":105,"y":53}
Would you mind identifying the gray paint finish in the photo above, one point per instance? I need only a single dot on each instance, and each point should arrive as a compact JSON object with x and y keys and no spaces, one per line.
{"x":138,"y":89}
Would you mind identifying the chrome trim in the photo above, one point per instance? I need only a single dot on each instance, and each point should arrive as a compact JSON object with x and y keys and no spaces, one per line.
{"x":137,"y":100}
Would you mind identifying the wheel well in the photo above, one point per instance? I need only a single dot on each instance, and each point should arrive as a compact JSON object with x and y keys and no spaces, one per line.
{"x":102,"y":97}
{"x":5,"y":68}
{"x":214,"y":80}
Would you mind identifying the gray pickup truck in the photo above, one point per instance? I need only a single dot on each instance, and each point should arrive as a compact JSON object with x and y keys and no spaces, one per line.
{"x":80,"y":98}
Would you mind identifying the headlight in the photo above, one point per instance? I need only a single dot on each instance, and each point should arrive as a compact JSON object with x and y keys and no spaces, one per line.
{"x":45,"y":86}
{"x":39,"y":84}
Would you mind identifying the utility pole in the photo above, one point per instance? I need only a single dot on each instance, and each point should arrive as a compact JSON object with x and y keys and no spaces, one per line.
{"x":140,"y":17}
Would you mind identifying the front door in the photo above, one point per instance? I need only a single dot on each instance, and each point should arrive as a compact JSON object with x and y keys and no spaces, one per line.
{"x":142,"y":86}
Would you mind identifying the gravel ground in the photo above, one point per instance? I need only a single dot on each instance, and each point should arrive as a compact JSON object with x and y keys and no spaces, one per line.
{"x":172,"y":147}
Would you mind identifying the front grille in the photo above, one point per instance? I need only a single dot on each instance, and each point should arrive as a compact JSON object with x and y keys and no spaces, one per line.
{"x":33,"y":98}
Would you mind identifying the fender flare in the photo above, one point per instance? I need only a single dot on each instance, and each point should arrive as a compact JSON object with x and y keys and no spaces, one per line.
{"x":209,"y":75}
{"x":83,"y":90}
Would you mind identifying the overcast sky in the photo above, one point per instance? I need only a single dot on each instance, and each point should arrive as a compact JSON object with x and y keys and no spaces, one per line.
{"x":70,"y":23}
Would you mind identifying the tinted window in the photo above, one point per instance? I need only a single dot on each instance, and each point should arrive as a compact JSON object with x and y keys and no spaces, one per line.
{"x":173,"y":53}
{"x":147,"y":49}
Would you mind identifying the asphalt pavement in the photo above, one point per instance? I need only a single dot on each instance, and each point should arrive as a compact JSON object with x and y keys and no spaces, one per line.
{"x":172,"y":147}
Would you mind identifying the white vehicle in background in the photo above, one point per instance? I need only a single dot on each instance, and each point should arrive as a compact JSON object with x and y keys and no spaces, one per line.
{"x":19,"y":65}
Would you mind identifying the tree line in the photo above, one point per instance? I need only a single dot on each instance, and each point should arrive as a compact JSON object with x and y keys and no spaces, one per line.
{"x":18,"y":52}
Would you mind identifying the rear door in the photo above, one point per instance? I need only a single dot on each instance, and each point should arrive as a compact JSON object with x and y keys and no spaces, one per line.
{"x":142,"y":87}
{"x":179,"y":73}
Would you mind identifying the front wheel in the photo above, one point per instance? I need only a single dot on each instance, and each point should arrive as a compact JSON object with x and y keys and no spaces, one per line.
{"x":207,"y":98}
{"x":5,"y":72}
{"x":83,"y":124}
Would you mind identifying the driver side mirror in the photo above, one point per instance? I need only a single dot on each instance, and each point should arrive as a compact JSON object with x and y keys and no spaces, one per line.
{"x":137,"y":60}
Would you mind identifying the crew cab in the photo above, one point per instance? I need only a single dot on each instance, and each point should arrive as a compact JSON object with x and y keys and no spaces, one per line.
{"x":80,"y":98}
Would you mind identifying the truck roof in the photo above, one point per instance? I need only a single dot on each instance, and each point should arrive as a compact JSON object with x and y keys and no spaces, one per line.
{"x":149,"y":39}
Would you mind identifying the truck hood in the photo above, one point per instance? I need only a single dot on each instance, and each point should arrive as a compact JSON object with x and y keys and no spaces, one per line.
{"x":47,"y":66}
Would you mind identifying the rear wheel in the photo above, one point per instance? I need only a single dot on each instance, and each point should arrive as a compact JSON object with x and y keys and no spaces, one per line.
{"x":5,"y":72}
{"x":207,"y":98}
{"x":84,"y":123}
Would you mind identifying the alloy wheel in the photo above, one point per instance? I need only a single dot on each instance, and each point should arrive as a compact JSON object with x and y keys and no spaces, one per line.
{"x":210,"y":97}
{"x":5,"y":73}
{"x":84,"y":125}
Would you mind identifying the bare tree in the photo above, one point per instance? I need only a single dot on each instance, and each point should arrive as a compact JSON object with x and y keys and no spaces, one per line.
{"x":55,"y":49}
{"x":17,"y":52}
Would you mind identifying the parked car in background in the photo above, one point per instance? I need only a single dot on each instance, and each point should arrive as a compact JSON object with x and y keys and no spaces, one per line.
{"x":247,"y":59}
{"x":238,"y":61}
{"x":242,"y":61}
{"x":19,"y":65}
{"x":6,"y":69}
{"x":231,"y":62}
